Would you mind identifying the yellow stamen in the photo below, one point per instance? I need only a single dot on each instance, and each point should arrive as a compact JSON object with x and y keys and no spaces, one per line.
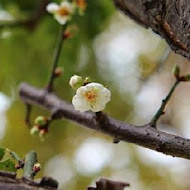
{"x":63,"y":11}
{"x":90,"y":95}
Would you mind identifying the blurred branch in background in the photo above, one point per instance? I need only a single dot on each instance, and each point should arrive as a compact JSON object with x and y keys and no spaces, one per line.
{"x":105,"y":184}
{"x":31,"y":22}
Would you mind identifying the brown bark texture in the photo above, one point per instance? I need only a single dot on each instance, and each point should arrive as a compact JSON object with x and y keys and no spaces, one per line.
{"x":168,"y":18}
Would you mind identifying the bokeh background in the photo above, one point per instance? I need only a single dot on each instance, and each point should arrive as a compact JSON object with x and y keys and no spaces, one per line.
{"x":132,"y":61}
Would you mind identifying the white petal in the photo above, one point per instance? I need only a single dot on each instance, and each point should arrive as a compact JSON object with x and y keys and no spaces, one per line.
{"x":97,"y":107}
{"x":52,"y":7}
{"x":61,"y":19}
{"x":81,"y":90}
{"x":67,"y":5}
{"x":105,"y":95}
{"x":93,"y":84}
{"x":80,"y":104}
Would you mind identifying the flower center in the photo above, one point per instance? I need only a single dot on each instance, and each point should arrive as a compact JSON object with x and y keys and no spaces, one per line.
{"x":90,"y":95}
{"x":63,"y":11}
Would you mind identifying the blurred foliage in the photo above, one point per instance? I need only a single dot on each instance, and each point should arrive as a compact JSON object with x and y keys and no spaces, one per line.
{"x":8,"y":165}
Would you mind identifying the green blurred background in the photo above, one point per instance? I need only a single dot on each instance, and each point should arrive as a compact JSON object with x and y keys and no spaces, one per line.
{"x":110,"y":48}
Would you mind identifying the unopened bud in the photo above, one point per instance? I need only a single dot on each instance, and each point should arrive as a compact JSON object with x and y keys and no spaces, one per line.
{"x":34,"y":130}
{"x":87,"y":80}
{"x":58,"y":71}
{"x":43,"y":134}
{"x":37,"y":167}
{"x":76,"y":82}
{"x":40,"y":120}
{"x":81,"y":6}
{"x":67,"y":34}
{"x":176,"y":71}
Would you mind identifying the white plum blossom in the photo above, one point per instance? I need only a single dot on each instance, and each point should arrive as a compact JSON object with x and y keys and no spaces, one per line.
{"x":93,"y":96}
{"x":62,"y":13}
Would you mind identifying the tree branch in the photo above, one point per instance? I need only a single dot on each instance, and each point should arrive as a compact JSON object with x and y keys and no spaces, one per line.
{"x":146,"y":135}
{"x":8,"y":181}
{"x":170,"y":19}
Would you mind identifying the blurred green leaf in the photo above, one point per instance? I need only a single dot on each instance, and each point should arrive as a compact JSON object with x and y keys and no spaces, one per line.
{"x":2,"y":153}
{"x":8,"y":165}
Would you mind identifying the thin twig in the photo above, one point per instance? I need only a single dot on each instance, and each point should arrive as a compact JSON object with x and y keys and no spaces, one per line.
{"x":56,"y":58}
{"x":28,"y":113}
{"x":15,"y":156}
{"x":160,"y":111}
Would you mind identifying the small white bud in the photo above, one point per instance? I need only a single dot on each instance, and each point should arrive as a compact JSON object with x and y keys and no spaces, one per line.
{"x":34,"y":130}
{"x":76,"y":82}
{"x":40,"y":121}
{"x":37,"y":167}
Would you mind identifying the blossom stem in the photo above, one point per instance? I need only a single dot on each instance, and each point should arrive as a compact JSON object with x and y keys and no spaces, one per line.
{"x":56,"y":58}
{"x":160,"y":111}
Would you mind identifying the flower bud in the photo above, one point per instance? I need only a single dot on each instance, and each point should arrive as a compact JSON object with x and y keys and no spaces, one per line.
{"x":37,"y":167}
{"x":81,"y":6}
{"x":76,"y":82}
{"x":40,"y":120}
{"x":43,"y":134}
{"x":67,"y":34}
{"x":176,"y":71}
{"x":87,"y":80}
{"x":34,"y":130}
{"x":58,"y":71}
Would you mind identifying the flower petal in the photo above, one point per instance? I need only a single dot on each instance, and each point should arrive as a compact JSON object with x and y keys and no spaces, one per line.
{"x":61,"y":19}
{"x":93,"y":85}
{"x":97,"y":107}
{"x":80,"y":104}
{"x":52,"y":7}
{"x":105,"y":95}
{"x":67,"y":6}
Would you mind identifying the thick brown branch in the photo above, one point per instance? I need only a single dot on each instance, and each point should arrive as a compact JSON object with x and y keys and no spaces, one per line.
{"x":8,"y":181}
{"x":170,"y":19}
{"x":145,"y":136}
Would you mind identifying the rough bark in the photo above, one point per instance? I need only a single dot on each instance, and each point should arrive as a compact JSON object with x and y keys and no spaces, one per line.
{"x":146,"y":136}
{"x":168,"y":18}
{"x":8,"y":181}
